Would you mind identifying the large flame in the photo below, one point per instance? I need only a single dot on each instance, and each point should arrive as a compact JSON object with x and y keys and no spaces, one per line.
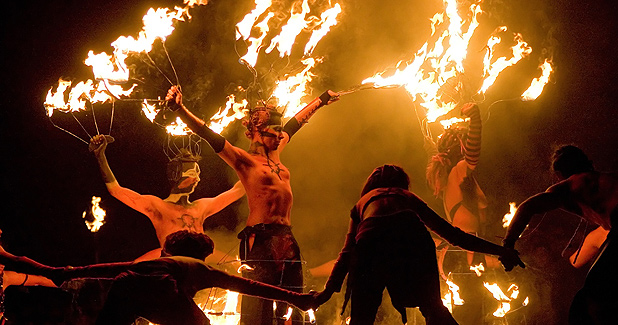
{"x":506,"y":220}
{"x":110,"y":71}
{"x":537,"y":85}
{"x":433,"y":77}
{"x":98,"y":213}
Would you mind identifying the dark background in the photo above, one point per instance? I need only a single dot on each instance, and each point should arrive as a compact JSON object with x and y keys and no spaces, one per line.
{"x":49,"y":177}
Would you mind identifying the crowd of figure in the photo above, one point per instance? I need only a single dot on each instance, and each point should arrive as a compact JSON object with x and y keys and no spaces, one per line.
{"x":388,"y":245}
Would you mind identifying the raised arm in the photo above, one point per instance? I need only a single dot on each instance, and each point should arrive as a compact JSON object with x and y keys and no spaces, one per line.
{"x":302,"y":117}
{"x":219,"y":202}
{"x":554,"y":198}
{"x":472,"y":147}
{"x":230,"y":154}
{"x":139,"y":202}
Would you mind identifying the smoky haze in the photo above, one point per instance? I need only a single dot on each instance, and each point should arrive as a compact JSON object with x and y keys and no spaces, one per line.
{"x":51,"y":176}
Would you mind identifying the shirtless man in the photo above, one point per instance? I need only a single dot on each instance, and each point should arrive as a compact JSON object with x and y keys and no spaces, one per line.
{"x":593,"y":196}
{"x":267,"y":243}
{"x":175,"y":212}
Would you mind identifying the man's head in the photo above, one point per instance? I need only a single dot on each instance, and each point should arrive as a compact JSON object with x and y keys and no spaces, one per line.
{"x":187,"y":243}
{"x":263,"y":122}
{"x":386,"y":176}
{"x":569,"y":160}
{"x":183,"y":172}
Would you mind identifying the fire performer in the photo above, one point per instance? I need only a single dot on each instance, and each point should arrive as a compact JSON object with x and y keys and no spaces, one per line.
{"x":267,"y":243}
{"x":451,"y":175}
{"x":593,"y":196}
{"x":161,"y":290}
{"x":388,"y":246}
{"x":175,"y":212}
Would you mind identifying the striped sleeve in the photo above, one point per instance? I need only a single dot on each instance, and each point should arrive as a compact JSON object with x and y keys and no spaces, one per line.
{"x":473,"y":140}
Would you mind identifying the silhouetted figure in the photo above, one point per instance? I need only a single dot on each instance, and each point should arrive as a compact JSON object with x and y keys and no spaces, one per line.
{"x":161,"y":290}
{"x":388,"y":246}
{"x":593,"y":196}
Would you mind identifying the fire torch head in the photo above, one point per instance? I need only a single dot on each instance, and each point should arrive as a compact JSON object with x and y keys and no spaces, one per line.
{"x":260,"y":117}
{"x":187,"y":243}
{"x":569,"y":160}
{"x":183,"y":172}
{"x":386,"y":176}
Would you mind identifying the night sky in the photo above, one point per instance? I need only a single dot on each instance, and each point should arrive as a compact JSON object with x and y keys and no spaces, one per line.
{"x":49,"y":177}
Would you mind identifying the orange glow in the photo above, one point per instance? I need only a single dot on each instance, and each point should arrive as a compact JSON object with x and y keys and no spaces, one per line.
{"x":506,"y":220}
{"x":478,"y":269}
{"x":98,"y":213}
{"x":537,"y":85}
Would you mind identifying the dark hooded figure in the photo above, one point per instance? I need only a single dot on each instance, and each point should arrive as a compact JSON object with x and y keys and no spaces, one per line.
{"x":388,"y":246}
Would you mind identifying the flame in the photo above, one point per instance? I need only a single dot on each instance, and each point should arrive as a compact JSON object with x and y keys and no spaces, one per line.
{"x":111,"y":70}
{"x":288,"y":314}
{"x":311,"y":315}
{"x":149,"y":110}
{"x":244,"y":267}
{"x":295,"y":24}
{"x":243,"y":28}
{"x":98,"y":213}
{"x":504,"y":299}
{"x":492,"y":70}
{"x":328,"y":19}
{"x":223,"y":117}
{"x":477,"y":269}
{"x":435,"y":67}
{"x":452,"y":296}
{"x":452,"y":121}
{"x":506,"y":220}
{"x":229,"y":315}
{"x":433,"y":77}
{"x":178,"y":127}
{"x":290,"y":91}
{"x":537,"y":85}
{"x":255,"y":43}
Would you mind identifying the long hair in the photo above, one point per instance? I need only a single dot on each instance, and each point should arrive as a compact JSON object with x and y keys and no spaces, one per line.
{"x":569,"y":160}
{"x":190,"y":244}
{"x":450,"y":152}
{"x":386,"y":176}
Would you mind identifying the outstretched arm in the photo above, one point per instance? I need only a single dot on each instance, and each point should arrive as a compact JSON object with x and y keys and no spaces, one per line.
{"x":302,"y":117}
{"x":553,"y":199}
{"x":26,"y":265}
{"x":219,"y":202}
{"x":472,"y":147}
{"x":258,"y":289}
{"x":508,"y":256}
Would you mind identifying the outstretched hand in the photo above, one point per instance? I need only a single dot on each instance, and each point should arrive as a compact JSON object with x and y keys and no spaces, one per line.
{"x":174,"y":98}
{"x":510,"y":259}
